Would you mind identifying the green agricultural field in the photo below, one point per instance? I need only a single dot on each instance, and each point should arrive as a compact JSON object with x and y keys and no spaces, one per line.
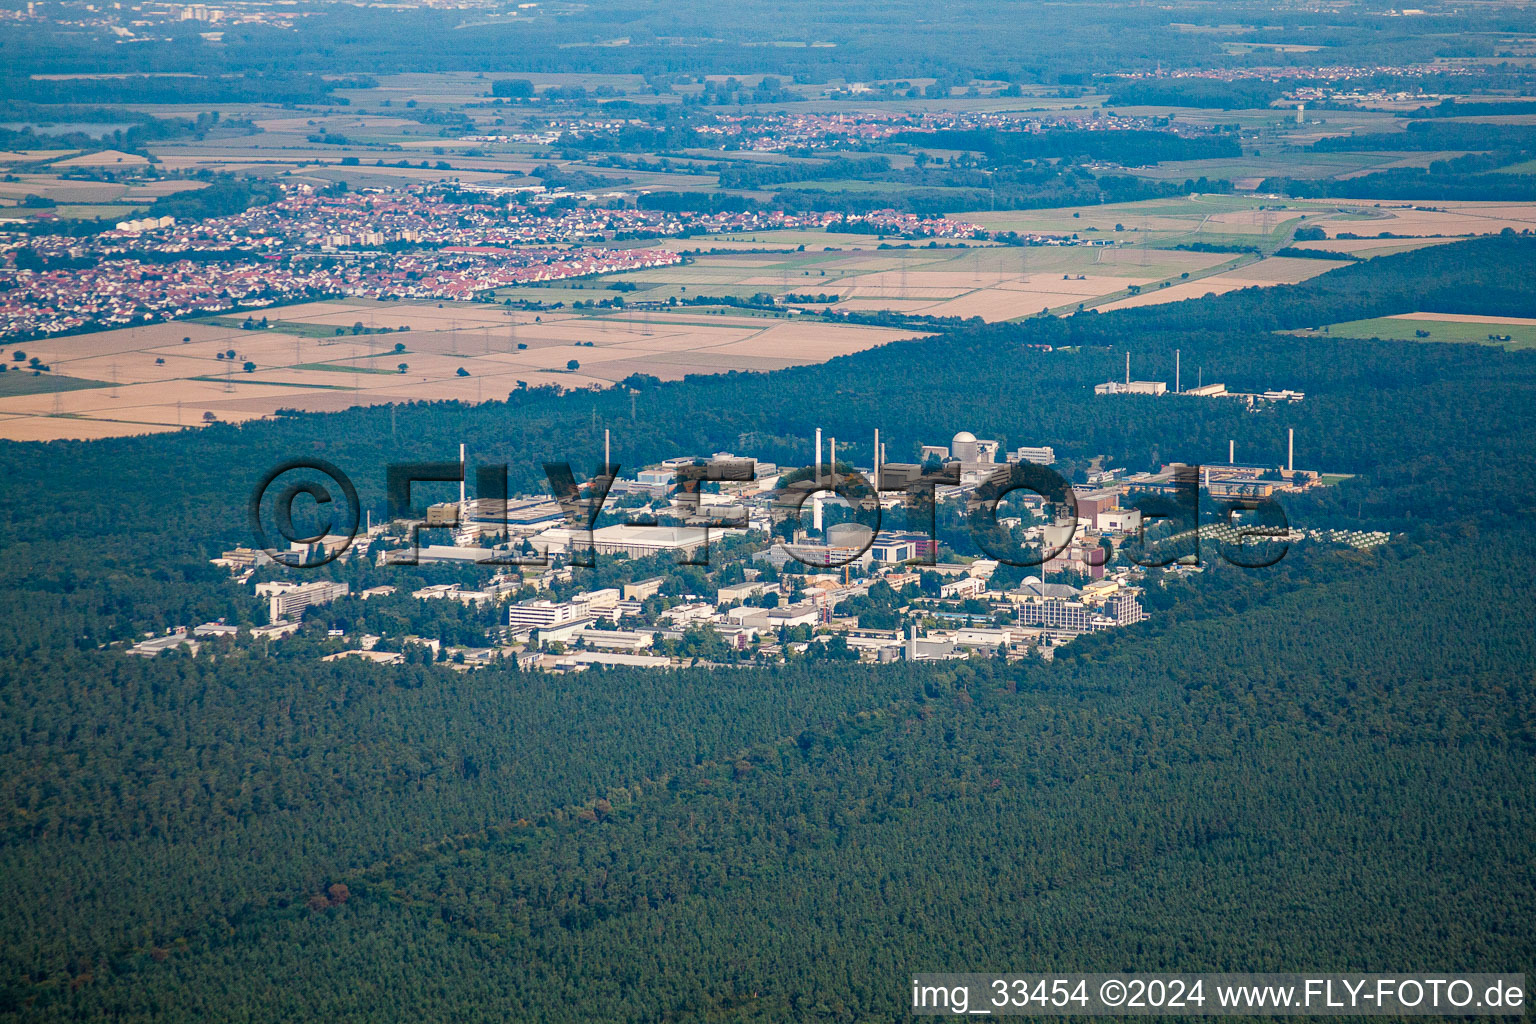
{"x":1290,"y":163}
{"x":296,"y":327}
{"x":1211,"y":218}
{"x":69,"y":211}
{"x":230,"y":381}
{"x":25,"y":382}
{"x":560,"y":293}
{"x":1521,"y":336}
{"x":349,"y":368}
{"x":1154,"y":214}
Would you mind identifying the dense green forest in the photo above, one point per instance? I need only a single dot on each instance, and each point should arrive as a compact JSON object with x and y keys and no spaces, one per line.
{"x":139,"y":130}
{"x":1417,"y":184}
{"x":1325,"y":764}
{"x":1310,"y":766}
{"x":1197,"y":92}
{"x":1432,"y":136}
{"x":1477,"y":175}
{"x":245,"y":88}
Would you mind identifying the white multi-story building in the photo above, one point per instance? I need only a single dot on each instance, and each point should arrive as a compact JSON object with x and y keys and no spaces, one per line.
{"x":289,"y":603}
{"x":1043,"y":455}
{"x":1126,"y":520}
{"x":682,"y":614}
{"x":732,"y":593}
{"x":597,"y":604}
{"x":893,"y":550}
{"x":639,"y":590}
{"x":965,"y":586}
{"x":540,"y":614}
{"x":452,"y":591}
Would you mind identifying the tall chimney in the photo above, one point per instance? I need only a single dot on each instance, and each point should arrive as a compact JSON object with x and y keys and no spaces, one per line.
{"x":1232,"y":453}
{"x":607,"y":451}
{"x":816,"y":498}
{"x":1177,"y":354}
{"x":877,"y":463}
{"x":1290,"y":450}
{"x":831,"y":474}
{"x":461,"y":479}
{"x":1127,"y":371}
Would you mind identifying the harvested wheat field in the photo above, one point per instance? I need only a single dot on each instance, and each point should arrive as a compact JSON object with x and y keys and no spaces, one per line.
{"x":1367,"y":247}
{"x":1265,"y":273}
{"x":1445,"y":218}
{"x":177,"y":375}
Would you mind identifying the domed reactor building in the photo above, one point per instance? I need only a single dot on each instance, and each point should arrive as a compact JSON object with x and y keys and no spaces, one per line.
{"x":977,"y":457}
{"x":964,"y":447}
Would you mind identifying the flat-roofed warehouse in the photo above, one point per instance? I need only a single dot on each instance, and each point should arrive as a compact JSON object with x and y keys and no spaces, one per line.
{"x":634,"y":541}
{"x":640,"y":541}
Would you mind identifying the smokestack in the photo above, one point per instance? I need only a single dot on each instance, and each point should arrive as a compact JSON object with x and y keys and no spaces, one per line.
{"x":1177,"y":355}
{"x":1232,"y":453}
{"x":1127,"y":371}
{"x":816,"y":498}
{"x":831,"y":473}
{"x":461,"y":477}
{"x":607,"y":451}
{"x":877,"y":463}
{"x":1290,"y":450}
